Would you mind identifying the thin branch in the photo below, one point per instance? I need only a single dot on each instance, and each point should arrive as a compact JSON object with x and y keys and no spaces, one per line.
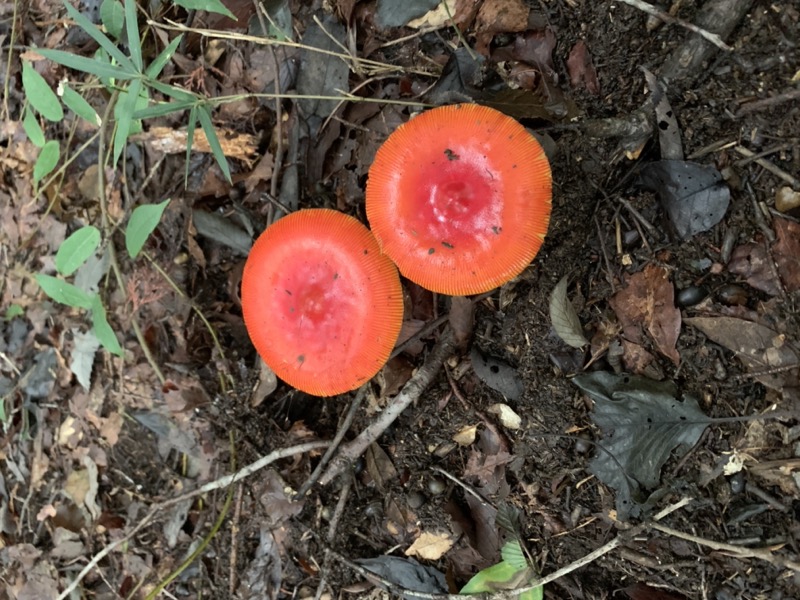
{"x":668,"y":18}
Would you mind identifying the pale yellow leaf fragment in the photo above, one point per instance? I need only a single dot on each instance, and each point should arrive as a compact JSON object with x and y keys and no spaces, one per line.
{"x":431,"y":546}
{"x":508,"y":418}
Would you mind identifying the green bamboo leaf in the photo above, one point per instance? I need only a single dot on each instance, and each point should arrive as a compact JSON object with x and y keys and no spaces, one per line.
{"x":78,"y":104}
{"x":204,"y":115}
{"x":63,"y":292}
{"x":162,"y":109}
{"x":142,"y":223}
{"x":190,"y":127}
{"x":32,"y":128}
{"x":98,"y":36}
{"x":47,"y":161}
{"x":214,"y":6}
{"x":154,"y":70}
{"x":105,"y":334}
{"x":132,"y":27}
{"x":39,"y":94}
{"x":173,"y":91}
{"x":113,"y":17}
{"x":76,"y":249}
{"x":513,"y":572}
{"x":92,"y":66}
{"x":127,"y":107}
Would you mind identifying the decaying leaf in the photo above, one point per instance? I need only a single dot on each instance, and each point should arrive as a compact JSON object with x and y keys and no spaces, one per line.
{"x":761,"y":349}
{"x":786,"y":251}
{"x":694,"y":196}
{"x":564,"y":317}
{"x":263,"y":576}
{"x":431,"y":546}
{"x":407,"y":573}
{"x":397,"y":14}
{"x":82,"y":358}
{"x":642,"y":421}
{"x":581,"y":69}
{"x":647,"y":303}
{"x":322,"y":74}
{"x":497,"y":375}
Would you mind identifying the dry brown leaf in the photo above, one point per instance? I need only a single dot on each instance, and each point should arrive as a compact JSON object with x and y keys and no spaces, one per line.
{"x":647,"y":304}
{"x":786,"y":252}
{"x":581,"y":69}
{"x":499,"y":16}
{"x":431,"y":546}
{"x":241,"y":146}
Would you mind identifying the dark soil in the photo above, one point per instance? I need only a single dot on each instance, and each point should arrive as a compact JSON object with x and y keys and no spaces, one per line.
{"x":174,"y":436}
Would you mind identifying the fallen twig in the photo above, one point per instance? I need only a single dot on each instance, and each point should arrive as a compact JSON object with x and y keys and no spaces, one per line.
{"x":213,"y":485}
{"x":410,"y":392}
{"x":668,"y":18}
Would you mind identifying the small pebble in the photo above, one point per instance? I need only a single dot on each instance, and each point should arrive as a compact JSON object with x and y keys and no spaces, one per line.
{"x":732,"y":295}
{"x":786,"y":199}
{"x":415,"y":499}
{"x":737,"y":482}
{"x":582,"y":445}
{"x":436,"y":486}
{"x":374,"y":509}
{"x":691,"y":296}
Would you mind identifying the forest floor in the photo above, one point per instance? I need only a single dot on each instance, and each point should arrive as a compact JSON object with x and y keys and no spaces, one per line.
{"x":676,"y":200}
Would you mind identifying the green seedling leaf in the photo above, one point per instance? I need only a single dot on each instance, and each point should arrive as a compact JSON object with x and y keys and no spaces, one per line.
{"x":93,"y":66}
{"x":39,"y":94}
{"x":77,"y":104}
{"x":63,"y":292}
{"x":113,"y":17}
{"x":142,"y":223}
{"x":14,"y":310}
{"x":126,"y":107}
{"x":204,"y":115}
{"x":47,"y":161}
{"x":32,"y":128}
{"x":76,"y":249}
{"x":132,"y":27}
{"x":513,"y":572}
{"x":154,"y":70}
{"x":214,"y":6}
{"x":102,"y":329}
{"x":98,"y":36}
{"x":173,"y":91}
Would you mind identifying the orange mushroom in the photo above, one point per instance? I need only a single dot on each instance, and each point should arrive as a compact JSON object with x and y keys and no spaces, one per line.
{"x":322,"y":304}
{"x":459,"y":198}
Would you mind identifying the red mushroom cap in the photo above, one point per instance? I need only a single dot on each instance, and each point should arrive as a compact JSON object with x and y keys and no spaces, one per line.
{"x":322,"y":304}
{"x":459,"y":198}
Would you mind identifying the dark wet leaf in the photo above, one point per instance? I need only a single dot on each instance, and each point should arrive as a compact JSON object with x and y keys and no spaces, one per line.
{"x":322,"y":74}
{"x":564,"y":317}
{"x":694,"y":196}
{"x":536,"y":48}
{"x":752,"y":262}
{"x":546,"y":102}
{"x":498,"y":375}
{"x":407,"y":573}
{"x":222,"y":230}
{"x":380,"y":467}
{"x":642,"y":591}
{"x":391,"y":13}
{"x":642,"y":421}
{"x":42,"y":377}
{"x":460,"y":79}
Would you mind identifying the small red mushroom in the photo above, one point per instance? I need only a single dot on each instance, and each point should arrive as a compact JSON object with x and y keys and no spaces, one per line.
{"x":322,"y":304}
{"x":459,"y":198}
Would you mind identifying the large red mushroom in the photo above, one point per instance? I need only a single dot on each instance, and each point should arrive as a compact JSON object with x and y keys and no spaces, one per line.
{"x":459,"y":198}
{"x":321,"y":303}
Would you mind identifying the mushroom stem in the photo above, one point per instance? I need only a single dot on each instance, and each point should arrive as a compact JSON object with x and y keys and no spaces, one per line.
{"x":444,"y":347}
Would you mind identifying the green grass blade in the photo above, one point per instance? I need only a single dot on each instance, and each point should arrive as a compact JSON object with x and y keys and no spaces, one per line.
{"x":132,"y":28}
{"x":32,"y":128}
{"x":78,"y":104}
{"x":47,"y":161}
{"x":86,"y":65}
{"x":63,"y":292}
{"x":125,"y":120}
{"x":101,"y":38}
{"x":102,"y":329}
{"x":162,"y":109}
{"x":189,"y":142}
{"x":39,"y":94}
{"x":214,"y":6}
{"x":173,"y":91}
{"x":204,"y":114}
{"x":154,"y":70}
